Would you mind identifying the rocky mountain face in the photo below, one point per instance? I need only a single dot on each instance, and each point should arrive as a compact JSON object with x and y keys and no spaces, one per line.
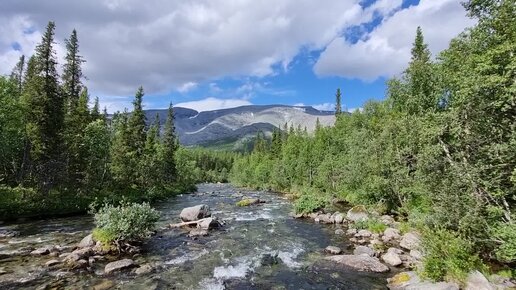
{"x":235,"y":125}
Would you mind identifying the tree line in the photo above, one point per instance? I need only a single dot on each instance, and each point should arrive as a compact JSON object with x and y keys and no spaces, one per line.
{"x":57,"y":155}
{"x":439,"y":152}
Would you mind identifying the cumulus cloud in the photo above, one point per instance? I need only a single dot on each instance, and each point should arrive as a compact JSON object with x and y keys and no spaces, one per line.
{"x":165,"y":45}
{"x":211,"y":103}
{"x":386,"y":50}
{"x":324,"y":107}
{"x":186,"y":87}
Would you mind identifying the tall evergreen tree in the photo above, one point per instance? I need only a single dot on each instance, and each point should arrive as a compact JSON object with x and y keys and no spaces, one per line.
{"x":170,"y":146}
{"x":338,"y":105}
{"x":136,"y":124}
{"x":44,"y":112}
{"x":17,"y":73}
{"x":72,"y":72}
{"x":95,"y":111}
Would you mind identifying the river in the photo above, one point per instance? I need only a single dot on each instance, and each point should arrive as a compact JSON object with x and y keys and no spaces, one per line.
{"x":229,"y":258}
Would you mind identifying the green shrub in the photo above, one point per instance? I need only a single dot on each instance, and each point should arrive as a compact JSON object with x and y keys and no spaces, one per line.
{"x":310,"y":201}
{"x":125,"y":222}
{"x":374,"y":225}
{"x":505,"y":235}
{"x":447,"y":256}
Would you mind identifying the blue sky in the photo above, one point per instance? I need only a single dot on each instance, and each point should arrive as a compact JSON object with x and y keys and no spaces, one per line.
{"x":212,"y":54}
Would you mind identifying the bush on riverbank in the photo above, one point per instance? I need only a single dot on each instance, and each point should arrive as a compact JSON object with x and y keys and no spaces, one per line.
{"x":124,"y":223}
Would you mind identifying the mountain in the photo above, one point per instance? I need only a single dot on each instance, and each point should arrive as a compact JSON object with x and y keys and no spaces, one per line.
{"x":230,"y":127}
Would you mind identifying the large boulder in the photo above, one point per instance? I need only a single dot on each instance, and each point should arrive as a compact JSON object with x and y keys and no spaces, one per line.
{"x":410,"y":281}
{"x":338,"y":217}
{"x":87,"y":241}
{"x":363,"y":263}
{"x":361,"y":250}
{"x":392,"y":257}
{"x":410,"y":241}
{"x":333,"y":250}
{"x":357,"y":213}
{"x":390,"y":234}
{"x":119,"y":265}
{"x":208,"y":224}
{"x":195,"y":213}
{"x":477,"y":281}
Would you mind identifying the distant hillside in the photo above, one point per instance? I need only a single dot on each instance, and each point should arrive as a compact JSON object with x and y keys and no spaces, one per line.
{"x":229,"y":127}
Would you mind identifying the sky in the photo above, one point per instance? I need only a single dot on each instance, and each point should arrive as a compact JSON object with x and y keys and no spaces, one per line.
{"x":213,"y":54}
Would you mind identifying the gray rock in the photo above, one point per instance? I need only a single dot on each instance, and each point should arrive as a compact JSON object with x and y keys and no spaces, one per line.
{"x":144,"y":269}
{"x":52,"y":262}
{"x":351,"y":232}
{"x":198,"y":233}
{"x":410,"y":241}
{"x":195,"y":213}
{"x":363,"y":234}
{"x":338,"y":218}
{"x":477,"y":281}
{"x":410,"y":281}
{"x":416,"y":254}
{"x":79,"y":264}
{"x":326,"y":218}
{"x":387,"y":219}
{"x":119,"y":265}
{"x":361,"y":250}
{"x":208,"y":224}
{"x":43,"y":251}
{"x":87,"y":241}
{"x":392,"y":258}
{"x":270,"y":260}
{"x":339,"y":232}
{"x":433,"y":286}
{"x":357,"y":213}
{"x":390,"y":234}
{"x":333,"y":250}
{"x":363,"y":263}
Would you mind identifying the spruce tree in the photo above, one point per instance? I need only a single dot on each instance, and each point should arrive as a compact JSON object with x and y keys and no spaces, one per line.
{"x":95,"y":111}
{"x":72,"y":72}
{"x":44,"y":113}
{"x":170,"y":146}
{"x":338,"y":105}
{"x":17,"y":73}
{"x":136,"y":124}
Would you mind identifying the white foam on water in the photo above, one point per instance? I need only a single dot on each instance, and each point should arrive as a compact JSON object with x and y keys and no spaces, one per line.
{"x":187,"y":257}
{"x":239,"y":270}
{"x":288,"y":257}
{"x":254,"y":216}
{"x":211,"y":284}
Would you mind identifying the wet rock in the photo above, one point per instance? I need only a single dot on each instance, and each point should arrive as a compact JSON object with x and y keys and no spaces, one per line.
{"x":390,"y":234}
{"x":208,"y":224}
{"x":8,"y":234}
{"x":52,"y":262}
{"x":3,"y":271}
{"x":502,"y":282}
{"x":410,"y":241}
{"x":270,"y":260}
{"x":195,"y":213}
{"x":333,"y":250}
{"x":79,"y":264}
{"x":410,"y":281}
{"x":42,"y":251}
{"x":14,"y":253}
{"x":198,"y":233}
{"x":143,"y":269}
{"x":339,"y":232}
{"x":387,"y":219}
{"x":477,"y":281}
{"x":83,"y":253}
{"x":87,"y":241}
{"x":363,"y":263}
{"x":104,"y":285}
{"x":248,"y":201}
{"x":357,"y":213}
{"x":392,"y":257}
{"x":351,"y":232}
{"x":119,"y":265}
{"x":363,"y":234}
{"x":326,"y":218}
{"x":363,"y":250}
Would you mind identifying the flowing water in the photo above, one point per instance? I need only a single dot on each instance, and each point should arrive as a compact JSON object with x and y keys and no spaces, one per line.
{"x":234,"y":257}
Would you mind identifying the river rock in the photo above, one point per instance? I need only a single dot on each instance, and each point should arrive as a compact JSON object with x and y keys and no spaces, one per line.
{"x":357,"y":213}
{"x":363,"y":250}
{"x":387,"y":219}
{"x":338,"y":218}
{"x":198,"y":233}
{"x":477,"y":281}
{"x":118,"y":265}
{"x":410,"y":281}
{"x":326,"y":218}
{"x":248,"y":201}
{"x":417,"y":255}
{"x":410,"y":241}
{"x":8,"y":234}
{"x":351,"y":232}
{"x":363,"y":263}
{"x":390,"y":234}
{"x":79,"y":264}
{"x":43,"y":251}
{"x":339,"y":232}
{"x":52,"y":262}
{"x":392,"y":257}
{"x":208,"y":224}
{"x":195,"y":213}
{"x":363,"y":234}
{"x":104,"y":285}
{"x":87,"y":241}
{"x":143,"y":269}
{"x":333,"y":250}
{"x":270,"y":260}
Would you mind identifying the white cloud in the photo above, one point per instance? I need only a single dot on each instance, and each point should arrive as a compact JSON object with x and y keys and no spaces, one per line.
{"x":325,"y":107}
{"x":386,"y":50}
{"x":210,"y":104}
{"x":164,"y":45}
{"x":186,"y":87}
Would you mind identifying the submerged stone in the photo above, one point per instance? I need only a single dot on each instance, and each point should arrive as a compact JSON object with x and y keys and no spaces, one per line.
{"x":119,"y":265}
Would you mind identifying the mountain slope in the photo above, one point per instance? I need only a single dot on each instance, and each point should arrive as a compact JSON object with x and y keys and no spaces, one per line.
{"x":241,"y":123}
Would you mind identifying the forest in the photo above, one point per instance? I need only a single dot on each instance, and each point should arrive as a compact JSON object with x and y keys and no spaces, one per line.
{"x":439,"y":152}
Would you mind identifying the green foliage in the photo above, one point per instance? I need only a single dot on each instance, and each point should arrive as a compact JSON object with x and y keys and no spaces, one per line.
{"x":309,"y":202}
{"x":372,"y":224}
{"x":125,"y":222}
{"x":505,"y":237}
{"x":245,"y":202}
{"x":447,"y":256}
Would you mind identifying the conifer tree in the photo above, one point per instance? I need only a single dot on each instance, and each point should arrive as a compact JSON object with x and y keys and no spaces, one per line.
{"x":95,"y":111}
{"x":338,"y":105}
{"x":170,"y":146}
{"x":17,"y":73}
{"x":136,"y":124}
{"x":72,"y":72}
